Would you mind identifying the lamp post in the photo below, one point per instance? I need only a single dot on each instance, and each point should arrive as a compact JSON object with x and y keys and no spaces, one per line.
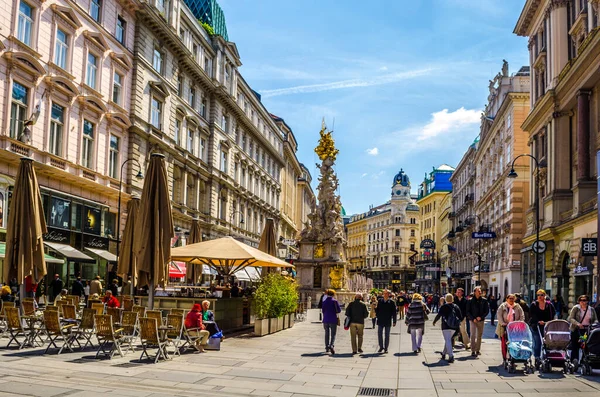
{"x":138,"y":176}
{"x":231,"y":219}
{"x":513,"y":174}
{"x":479,"y":255}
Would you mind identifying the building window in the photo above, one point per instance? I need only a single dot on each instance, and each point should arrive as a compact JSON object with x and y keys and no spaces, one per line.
{"x":121,"y":29}
{"x":56,"y":129}
{"x":88,"y":144}
{"x":224,"y":156}
{"x":397,"y":232}
{"x":160,"y":5}
{"x":156,"y":113}
{"x":92,"y":69}
{"x":117,"y":88}
{"x":412,"y":233}
{"x":25,"y":26}
{"x":224,"y":123}
{"x":180,"y":85}
{"x":203,"y":149}
{"x":203,"y":106}
{"x":18,"y":110}
{"x":192,"y":97}
{"x":95,"y":9}
{"x":113,"y":165}
{"x":190,"y":141}
{"x":61,"y":49}
{"x":157,"y":60}
{"x":177,"y":131}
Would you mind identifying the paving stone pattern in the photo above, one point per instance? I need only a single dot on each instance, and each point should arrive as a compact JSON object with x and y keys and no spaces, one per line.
{"x":287,"y":364}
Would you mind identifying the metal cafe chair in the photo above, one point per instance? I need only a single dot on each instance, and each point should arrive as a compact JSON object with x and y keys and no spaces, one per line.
{"x":55,"y":330}
{"x":151,"y":338}
{"x":107,"y":335}
{"x":140,"y":310}
{"x":130,"y":326}
{"x":115,"y":313}
{"x":156,"y":314}
{"x":86,"y":328}
{"x":14,"y":326}
{"x":98,"y":307}
{"x":175,"y":334}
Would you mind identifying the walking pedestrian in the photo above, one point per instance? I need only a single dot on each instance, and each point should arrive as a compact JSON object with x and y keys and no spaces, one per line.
{"x":96,"y":286}
{"x":580,"y":317}
{"x":386,"y":318}
{"x":320,"y":304}
{"x":56,"y":286}
{"x":86,"y":290}
{"x":435,"y":302}
{"x":415,"y":319}
{"x":77,"y":288}
{"x":357,"y":312}
{"x":461,"y":302}
{"x":448,"y":309}
{"x":541,"y":312}
{"x":400,"y":304}
{"x":493,"y":302}
{"x":373,"y":310}
{"x":330,"y":309}
{"x":558,"y":305}
{"x":477,"y":310}
{"x":507,"y":312}
{"x":519,"y":299}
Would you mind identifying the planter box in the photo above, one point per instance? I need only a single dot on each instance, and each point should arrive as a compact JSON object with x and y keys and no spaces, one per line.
{"x":286,"y":322}
{"x":272,"y":325}
{"x":291,"y":319}
{"x":279,"y":323}
{"x":261,"y":327}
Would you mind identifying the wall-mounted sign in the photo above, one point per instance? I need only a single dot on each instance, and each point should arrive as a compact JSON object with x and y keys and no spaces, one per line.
{"x":483,"y":235}
{"x":589,"y":247}
{"x":582,"y":269}
{"x":58,"y":236}
{"x":95,"y":242}
{"x":395,"y":281}
{"x":288,"y":241}
{"x":427,"y":244}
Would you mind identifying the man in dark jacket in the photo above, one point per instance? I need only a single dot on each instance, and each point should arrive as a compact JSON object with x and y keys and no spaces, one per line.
{"x":477,"y":310}
{"x":493,"y":301}
{"x":114,"y":288}
{"x":386,"y":318}
{"x":357,"y":312}
{"x":461,"y":302}
{"x":56,"y":287}
{"x":77,"y":288}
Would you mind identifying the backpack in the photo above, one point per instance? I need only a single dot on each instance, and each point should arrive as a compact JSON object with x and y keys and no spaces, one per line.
{"x":452,"y":319}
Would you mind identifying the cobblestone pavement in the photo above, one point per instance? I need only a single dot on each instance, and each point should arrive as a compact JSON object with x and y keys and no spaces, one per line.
{"x":289,"y":363}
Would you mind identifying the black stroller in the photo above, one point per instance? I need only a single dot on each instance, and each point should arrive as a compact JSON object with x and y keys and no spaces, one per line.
{"x":590,"y":351}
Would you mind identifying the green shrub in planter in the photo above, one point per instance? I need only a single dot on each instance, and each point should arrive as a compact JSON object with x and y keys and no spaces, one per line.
{"x":275,"y":296}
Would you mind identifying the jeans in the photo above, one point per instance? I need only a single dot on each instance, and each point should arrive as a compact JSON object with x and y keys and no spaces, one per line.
{"x":463,"y":332}
{"x":330,"y":331}
{"x":374,"y":320}
{"x":537,"y":342}
{"x":434,"y":307}
{"x":380,"y":329}
{"x":492,"y":316}
{"x":476,"y":335}
{"x":416,"y":336}
{"x":356,"y":335}
{"x":448,"y":333}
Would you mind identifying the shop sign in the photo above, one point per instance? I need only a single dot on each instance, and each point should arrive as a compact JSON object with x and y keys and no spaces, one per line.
{"x":428,"y":244}
{"x":395,"y":281}
{"x":288,"y":241}
{"x":483,"y":235}
{"x":582,"y":270}
{"x":432,"y":269}
{"x":57,"y":236}
{"x":589,"y":247}
{"x":95,"y":242}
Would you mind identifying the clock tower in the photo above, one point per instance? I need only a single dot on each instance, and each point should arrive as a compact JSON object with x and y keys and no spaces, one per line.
{"x":400,"y":196}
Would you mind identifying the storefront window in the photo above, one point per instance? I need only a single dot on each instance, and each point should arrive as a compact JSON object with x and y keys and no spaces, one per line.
{"x":92,"y":220}
{"x":76,"y":217}
{"x":59,"y":213}
{"x":110,"y":224}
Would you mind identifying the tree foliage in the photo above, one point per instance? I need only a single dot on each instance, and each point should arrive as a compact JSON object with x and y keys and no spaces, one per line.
{"x":275,"y":296}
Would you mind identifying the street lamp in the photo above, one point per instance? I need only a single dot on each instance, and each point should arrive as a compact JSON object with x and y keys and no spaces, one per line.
{"x":479,"y":256}
{"x":138,"y":176}
{"x":513,"y":174}
{"x":231,"y":219}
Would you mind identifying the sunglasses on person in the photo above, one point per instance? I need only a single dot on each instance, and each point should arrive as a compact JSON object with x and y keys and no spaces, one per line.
{"x":541,"y":294}
{"x":584,"y":300}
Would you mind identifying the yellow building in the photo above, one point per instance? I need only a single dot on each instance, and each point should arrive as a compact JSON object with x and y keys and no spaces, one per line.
{"x":357,"y":242}
{"x":444,"y":249}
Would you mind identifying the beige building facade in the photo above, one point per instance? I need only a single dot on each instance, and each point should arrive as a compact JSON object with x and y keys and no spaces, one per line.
{"x":564,"y":48}
{"x":66,"y":69}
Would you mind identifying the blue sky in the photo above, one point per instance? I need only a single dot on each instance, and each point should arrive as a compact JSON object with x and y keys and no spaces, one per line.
{"x":404,"y":80}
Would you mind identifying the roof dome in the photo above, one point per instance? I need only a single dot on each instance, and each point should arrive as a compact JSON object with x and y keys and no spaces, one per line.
{"x":401,"y":179}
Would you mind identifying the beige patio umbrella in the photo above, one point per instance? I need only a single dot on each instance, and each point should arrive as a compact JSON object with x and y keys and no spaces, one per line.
{"x":226,"y":255}
{"x":154,"y":228}
{"x":195,"y":237}
{"x":267,"y":242}
{"x":26,"y":225}
{"x":127,"y":262}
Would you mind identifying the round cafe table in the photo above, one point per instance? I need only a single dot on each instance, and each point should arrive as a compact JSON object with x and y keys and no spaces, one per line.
{"x":162,"y":333}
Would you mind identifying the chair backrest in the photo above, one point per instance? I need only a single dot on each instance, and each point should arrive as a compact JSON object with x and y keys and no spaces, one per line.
{"x":51,"y":322}
{"x":129,"y":322}
{"x":149,"y":329}
{"x":51,"y":308}
{"x":128,"y":305}
{"x":4,"y":305}
{"x":98,"y":307}
{"x":115,"y":313}
{"x":13,"y":318}
{"x":176,"y":321}
{"x":92,"y":301}
{"x":28,"y":308}
{"x":69,"y":312}
{"x":87,"y":319}
{"x":75,"y":299}
{"x":104,"y":325}
{"x":156,"y":314}
{"x":140,"y":310}
{"x":61,"y":302}
{"x":179,"y":312}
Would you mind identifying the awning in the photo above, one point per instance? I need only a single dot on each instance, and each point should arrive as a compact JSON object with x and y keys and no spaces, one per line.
{"x":49,"y":259}
{"x":109,"y":256}
{"x":177,"y":269}
{"x":209,"y":270}
{"x":69,"y":252}
{"x":253,"y":274}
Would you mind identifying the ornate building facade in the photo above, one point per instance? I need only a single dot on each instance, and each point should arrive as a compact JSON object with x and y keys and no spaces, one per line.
{"x":383,"y":241}
{"x":564,"y":48}
{"x":65,"y":73}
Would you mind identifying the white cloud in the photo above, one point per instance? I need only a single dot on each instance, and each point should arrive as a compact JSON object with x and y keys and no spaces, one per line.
{"x":372,"y":152}
{"x":364,"y":174}
{"x":383,"y":68}
{"x":444,"y":122}
{"x":366,"y":82}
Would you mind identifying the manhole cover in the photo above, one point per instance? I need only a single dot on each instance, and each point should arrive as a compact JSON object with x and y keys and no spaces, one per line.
{"x":375,"y":391}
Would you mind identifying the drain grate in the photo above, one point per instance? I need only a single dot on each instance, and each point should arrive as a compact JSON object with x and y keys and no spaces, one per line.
{"x":375,"y":391}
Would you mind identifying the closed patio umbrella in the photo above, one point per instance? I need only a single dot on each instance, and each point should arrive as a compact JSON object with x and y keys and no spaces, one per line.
{"x":154,"y":228}
{"x":226,"y":255}
{"x":127,"y":261}
{"x":267,"y":242}
{"x":25,"y":229}
{"x":195,"y":237}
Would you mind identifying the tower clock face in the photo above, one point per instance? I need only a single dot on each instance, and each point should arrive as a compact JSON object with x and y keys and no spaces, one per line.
{"x":398,"y":192}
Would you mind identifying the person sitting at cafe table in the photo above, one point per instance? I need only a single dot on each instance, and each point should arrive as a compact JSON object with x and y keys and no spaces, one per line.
{"x":109,"y":300}
{"x":208,"y":318}
{"x":195,"y":327}
{"x":61,"y":296}
{"x":7,"y":294}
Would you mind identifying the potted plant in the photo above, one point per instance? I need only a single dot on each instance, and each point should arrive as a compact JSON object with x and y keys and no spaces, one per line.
{"x":261,"y":302}
{"x":276,"y":297}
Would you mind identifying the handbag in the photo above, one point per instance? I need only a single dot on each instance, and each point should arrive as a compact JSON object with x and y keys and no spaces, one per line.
{"x":338,"y":321}
{"x":425,"y":316}
{"x":347,"y":323}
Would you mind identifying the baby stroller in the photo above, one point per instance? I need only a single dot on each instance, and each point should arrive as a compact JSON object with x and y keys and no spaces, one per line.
{"x":590,"y":351}
{"x":555,"y":343}
{"x":519,"y":347}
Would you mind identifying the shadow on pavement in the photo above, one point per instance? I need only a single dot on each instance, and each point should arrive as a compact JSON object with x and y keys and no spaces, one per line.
{"x":371,"y":355}
{"x":343,"y":355}
{"x":441,"y":363}
{"x":404,"y":354}
{"x":320,"y":354}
